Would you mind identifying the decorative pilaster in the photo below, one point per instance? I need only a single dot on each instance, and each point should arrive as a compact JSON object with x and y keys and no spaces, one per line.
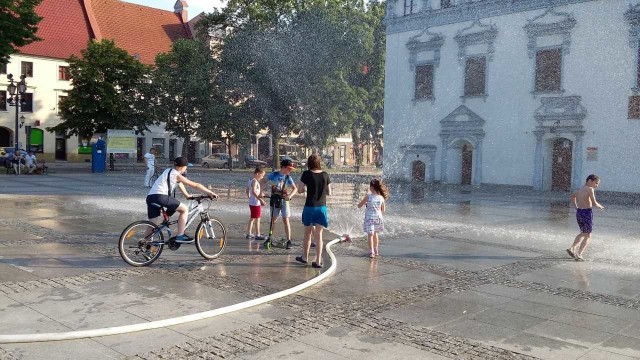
{"x":577,"y":177}
{"x":477,"y":166}
{"x":537,"y":163}
{"x":443,"y":163}
{"x":432,"y":167}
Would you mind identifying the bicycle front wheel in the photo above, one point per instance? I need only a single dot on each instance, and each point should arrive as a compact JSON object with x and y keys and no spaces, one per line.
{"x":211,"y":238}
{"x":141,"y":243}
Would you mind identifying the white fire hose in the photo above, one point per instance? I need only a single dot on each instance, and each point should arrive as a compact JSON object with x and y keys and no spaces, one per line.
{"x":71,"y":335}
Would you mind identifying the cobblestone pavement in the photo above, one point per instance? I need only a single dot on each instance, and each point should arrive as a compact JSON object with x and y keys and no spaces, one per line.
{"x":448,"y":288}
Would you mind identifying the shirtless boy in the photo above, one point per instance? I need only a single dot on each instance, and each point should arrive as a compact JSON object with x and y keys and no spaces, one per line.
{"x":584,"y":199}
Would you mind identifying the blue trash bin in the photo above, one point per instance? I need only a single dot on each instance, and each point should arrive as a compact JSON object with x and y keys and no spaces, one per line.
{"x":99,"y":157}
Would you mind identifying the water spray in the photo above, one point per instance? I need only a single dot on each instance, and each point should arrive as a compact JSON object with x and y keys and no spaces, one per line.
{"x":345,"y":238}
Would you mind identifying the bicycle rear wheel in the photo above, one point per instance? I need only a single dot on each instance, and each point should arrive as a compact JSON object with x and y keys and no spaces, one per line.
{"x":141,"y":243}
{"x":153,"y":179}
{"x":211,"y":238}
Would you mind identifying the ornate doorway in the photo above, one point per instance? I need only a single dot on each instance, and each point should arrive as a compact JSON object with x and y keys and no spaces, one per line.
{"x":561,"y":167}
{"x":466,"y":165}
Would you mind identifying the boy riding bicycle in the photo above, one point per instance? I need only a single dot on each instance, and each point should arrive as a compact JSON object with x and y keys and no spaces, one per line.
{"x":160,"y":196}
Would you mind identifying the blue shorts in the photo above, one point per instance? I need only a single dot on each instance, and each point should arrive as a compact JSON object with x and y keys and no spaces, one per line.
{"x":585,"y":220}
{"x":315,"y":215}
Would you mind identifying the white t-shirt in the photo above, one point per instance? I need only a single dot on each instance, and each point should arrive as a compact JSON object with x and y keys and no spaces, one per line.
{"x":253,"y":201}
{"x":28,"y":160}
{"x":33,"y":158}
{"x":150,"y":159}
{"x":160,"y":186}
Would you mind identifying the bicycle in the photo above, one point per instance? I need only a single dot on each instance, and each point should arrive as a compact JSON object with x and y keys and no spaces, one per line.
{"x":142,"y":242}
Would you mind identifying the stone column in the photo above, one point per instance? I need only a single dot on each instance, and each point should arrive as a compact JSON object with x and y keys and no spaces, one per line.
{"x":576,"y":173}
{"x":477,"y":162}
{"x":443,"y":164}
{"x":537,"y":164}
{"x":432,"y":167}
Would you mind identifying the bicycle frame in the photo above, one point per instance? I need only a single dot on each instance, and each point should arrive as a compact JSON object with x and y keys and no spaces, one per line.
{"x":195,"y":209}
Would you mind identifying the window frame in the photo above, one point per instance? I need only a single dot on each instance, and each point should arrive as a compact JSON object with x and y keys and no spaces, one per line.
{"x":560,"y":88}
{"x":433,"y":81}
{"x":484,"y":93}
{"x":31,"y":110}
{"x":63,"y":75}
{"x":408,"y":4}
{"x":23,"y":66}
{"x":4,"y":106}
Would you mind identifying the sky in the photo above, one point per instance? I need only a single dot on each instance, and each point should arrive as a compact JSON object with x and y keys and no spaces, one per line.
{"x":195,"y":6}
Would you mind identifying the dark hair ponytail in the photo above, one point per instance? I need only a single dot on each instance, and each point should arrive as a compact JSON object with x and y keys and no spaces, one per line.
{"x":380,"y":188}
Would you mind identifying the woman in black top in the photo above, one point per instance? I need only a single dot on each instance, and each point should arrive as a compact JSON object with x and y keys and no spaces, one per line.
{"x":314,"y":215}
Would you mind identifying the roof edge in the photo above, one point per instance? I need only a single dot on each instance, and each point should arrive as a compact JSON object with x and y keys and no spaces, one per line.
{"x":88,"y":8}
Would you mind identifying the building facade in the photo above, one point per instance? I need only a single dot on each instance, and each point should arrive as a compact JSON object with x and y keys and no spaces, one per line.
{"x":535,"y":93}
{"x":66,"y":28}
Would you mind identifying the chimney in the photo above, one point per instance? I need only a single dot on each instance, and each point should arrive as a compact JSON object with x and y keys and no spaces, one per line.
{"x":181,"y":8}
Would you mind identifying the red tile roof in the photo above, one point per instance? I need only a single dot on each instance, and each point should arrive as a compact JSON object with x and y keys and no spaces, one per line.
{"x":67,"y":25}
{"x":64,"y":29}
{"x":138,"y":29}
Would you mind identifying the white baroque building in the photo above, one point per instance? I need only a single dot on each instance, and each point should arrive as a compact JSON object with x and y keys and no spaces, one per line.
{"x":536,"y":93}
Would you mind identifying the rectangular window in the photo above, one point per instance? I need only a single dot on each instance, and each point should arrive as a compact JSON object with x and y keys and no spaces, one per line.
{"x":27,"y":68}
{"x":634,"y":107}
{"x":548,"y":70}
{"x":474,"y":77}
{"x":158,"y":144}
{"x":424,"y":82}
{"x":26,"y":102}
{"x":3,"y":68}
{"x":60,"y":98}
{"x":63,"y":73}
{"x":3,"y":100}
{"x":408,"y":7}
{"x":446,"y":3}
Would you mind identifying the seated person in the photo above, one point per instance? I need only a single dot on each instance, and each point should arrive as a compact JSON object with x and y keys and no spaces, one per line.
{"x":18,"y":162}
{"x":29,"y":161}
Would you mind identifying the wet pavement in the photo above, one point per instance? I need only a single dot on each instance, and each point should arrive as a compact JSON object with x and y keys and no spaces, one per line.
{"x":463,"y":274}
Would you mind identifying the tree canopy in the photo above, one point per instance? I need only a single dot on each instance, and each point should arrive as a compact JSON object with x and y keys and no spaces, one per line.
{"x":106,"y":92}
{"x":18,"y":25}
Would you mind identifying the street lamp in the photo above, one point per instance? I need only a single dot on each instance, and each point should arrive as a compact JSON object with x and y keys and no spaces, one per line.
{"x":17,"y":98}
{"x":22,"y":118}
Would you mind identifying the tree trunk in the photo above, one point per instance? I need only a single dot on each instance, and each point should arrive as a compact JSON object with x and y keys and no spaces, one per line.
{"x":229,"y":150}
{"x":355,"y":138}
{"x":276,"y":149}
{"x":185,"y":147}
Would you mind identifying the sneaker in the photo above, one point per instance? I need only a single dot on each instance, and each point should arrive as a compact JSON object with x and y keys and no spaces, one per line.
{"x":289,"y":244}
{"x":181,"y":239}
{"x":372,"y":255}
{"x":260,"y":237}
{"x":301,"y":260}
{"x":571,"y":253}
{"x":249,"y":236}
{"x":579,"y":258}
{"x":377,"y":253}
{"x":316,"y":265}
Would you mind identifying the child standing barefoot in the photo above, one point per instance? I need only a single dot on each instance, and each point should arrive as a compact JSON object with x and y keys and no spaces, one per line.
{"x":373,"y":220}
{"x":584,"y":200}
{"x":255,"y":201}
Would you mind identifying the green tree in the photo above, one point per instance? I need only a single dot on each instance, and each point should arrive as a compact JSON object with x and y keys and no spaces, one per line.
{"x":281,"y":70}
{"x":107,"y":87}
{"x":183,"y":90}
{"x":18,"y":25}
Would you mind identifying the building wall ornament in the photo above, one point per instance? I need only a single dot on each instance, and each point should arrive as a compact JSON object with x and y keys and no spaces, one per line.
{"x":475,"y":34}
{"x":633,"y":18}
{"x":460,"y":126}
{"x":551,"y":22}
{"x":467,"y":11}
{"x":425,"y":41}
{"x":559,"y":117}
{"x":424,"y":153}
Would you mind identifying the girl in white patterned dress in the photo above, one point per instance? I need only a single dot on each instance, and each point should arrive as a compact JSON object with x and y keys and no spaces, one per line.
{"x":373,"y":219}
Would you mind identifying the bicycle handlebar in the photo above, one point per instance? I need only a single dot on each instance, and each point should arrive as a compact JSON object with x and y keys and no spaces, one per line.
{"x":200,"y":197}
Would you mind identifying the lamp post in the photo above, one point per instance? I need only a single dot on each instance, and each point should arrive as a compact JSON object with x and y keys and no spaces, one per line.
{"x":16,"y":98}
